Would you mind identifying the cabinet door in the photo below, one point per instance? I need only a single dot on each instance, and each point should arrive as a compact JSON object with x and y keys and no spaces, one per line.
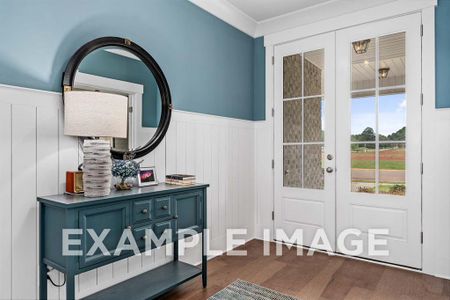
{"x":189,"y":211}
{"x":115,"y":217}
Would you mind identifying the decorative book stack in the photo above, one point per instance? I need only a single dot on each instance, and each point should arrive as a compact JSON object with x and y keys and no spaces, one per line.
{"x":180,"y":179}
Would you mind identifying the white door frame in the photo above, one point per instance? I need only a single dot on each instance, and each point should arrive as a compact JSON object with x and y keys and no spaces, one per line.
{"x":399,"y":8}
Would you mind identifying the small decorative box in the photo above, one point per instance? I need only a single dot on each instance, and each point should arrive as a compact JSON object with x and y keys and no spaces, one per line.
{"x":74,"y":182}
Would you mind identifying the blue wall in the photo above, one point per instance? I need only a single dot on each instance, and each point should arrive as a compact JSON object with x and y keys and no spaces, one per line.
{"x":105,"y":64}
{"x":443,"y":54}
{"x":209,"y":64}
{"x":259,"y":81}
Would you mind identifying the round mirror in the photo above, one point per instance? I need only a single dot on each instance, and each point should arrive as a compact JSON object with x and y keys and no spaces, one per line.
{"x":118,"y":66}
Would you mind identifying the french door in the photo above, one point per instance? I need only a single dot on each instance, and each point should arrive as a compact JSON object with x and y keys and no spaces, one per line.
{"x":378,"y":129}
{"x":305,"y":138}
{"x":347,"y":138}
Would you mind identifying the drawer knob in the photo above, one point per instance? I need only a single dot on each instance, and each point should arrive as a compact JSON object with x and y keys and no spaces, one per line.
{"x":144,"y":211}
{"x":164,"y":207}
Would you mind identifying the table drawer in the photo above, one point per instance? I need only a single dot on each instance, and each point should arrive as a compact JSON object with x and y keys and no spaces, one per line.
{"x":142,"y":210}
{"x":162,"y":207}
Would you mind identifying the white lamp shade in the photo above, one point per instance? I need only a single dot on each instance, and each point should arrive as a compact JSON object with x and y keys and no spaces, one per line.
{"x":95,"y":114}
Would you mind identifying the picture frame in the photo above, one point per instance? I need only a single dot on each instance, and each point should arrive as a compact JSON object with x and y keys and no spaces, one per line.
{"x":147,"y":176}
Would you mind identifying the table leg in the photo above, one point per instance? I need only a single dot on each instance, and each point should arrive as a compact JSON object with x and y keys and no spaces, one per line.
{"x":70,"y":286}
{"x":42,"y":281}
{"x":204,"y":262}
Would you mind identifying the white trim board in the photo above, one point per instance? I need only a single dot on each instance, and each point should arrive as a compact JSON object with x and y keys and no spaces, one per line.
{"x":390,"y":10}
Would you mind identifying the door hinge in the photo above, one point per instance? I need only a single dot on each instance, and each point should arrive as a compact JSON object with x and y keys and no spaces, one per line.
{"x":273,"y":112}
{"x":421,"y":29}
{"x":273,"y":163}
{"x":421,"y":237}
{"x":421,"y":168}
{"x":130,"y":109}
{"x":273,"y":60}
{"x":273,"y":215}
{"x":421,"y":99}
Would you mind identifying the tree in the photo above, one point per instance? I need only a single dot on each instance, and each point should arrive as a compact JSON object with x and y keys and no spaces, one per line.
{"x":399,"y":135}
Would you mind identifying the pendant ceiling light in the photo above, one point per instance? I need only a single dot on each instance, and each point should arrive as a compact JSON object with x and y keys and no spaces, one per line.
{"x":360,"y":47}
{"x":383,"y":72}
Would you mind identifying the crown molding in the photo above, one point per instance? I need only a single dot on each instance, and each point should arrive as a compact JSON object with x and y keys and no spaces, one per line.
{"x":228,"y":13}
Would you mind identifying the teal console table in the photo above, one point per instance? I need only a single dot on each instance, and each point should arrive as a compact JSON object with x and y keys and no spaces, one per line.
{"x":158,"y":208}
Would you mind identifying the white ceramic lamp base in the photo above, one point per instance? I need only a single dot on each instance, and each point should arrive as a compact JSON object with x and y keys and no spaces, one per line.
{"x":97,"y":168}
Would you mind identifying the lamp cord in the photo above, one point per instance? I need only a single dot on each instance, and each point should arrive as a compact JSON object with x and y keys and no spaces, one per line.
{"x":57,"y":285}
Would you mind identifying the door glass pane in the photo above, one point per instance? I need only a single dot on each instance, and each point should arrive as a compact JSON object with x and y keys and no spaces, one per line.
{"x":292,"y":166}
{"x":363,"y":116}
{"x":313,"y":126}
{"x":313,"y":170}
{"x":378,"y":115}
{"x":392,"y":169}
{"x":363,"y":167}
{"x":313,"y":72}
{"x":292,"y":121}
{"x":392,"y":60}
{"x":392,"y":115}
{"x":292,"y":76}
{"x":363,"y":64}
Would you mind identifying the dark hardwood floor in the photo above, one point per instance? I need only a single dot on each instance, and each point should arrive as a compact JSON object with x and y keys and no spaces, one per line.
{"x":314,"y":277}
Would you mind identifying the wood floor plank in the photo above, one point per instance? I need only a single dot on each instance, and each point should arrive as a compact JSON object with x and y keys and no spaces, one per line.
{"x":315,"y":288}
{"x":319,"y":276}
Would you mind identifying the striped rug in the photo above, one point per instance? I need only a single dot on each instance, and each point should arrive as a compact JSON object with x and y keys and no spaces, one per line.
{"x":243,"y":290}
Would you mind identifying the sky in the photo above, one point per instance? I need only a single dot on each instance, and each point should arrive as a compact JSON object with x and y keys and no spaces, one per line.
{"x":392,"y":116}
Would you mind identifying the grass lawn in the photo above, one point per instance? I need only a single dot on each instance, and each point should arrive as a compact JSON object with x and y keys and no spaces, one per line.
{"x":384,"y":164}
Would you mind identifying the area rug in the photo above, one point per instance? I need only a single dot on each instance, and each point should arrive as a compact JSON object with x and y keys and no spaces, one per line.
{"x":243,"y":290}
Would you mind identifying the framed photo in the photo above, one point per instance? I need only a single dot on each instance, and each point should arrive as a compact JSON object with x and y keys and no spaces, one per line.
{"x":147,"y":176}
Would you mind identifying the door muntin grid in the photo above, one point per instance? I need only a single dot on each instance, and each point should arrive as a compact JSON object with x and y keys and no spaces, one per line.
{"x":303,"y":120}
{"x":378,"y":117}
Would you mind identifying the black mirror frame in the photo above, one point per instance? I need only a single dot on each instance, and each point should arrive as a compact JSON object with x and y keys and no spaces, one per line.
{"x":166,"y":105}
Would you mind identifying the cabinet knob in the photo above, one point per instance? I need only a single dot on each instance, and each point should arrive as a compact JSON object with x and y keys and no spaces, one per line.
{"x":129,"y":227}
{"x":175,"y":217}
{"x":144,"y":211}
{"x":165,"y":207}
{"x":144,"y":237}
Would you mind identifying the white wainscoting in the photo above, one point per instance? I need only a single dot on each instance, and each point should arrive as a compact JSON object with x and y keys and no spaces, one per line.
{"x":35,"y":155}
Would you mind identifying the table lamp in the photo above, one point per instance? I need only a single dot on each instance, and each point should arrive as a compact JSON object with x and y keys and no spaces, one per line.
{"x":96,"y":115}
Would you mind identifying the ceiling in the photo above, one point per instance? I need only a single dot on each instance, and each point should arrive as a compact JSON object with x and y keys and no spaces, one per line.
{"x":264,"y":17}
{"x":260,"y":10}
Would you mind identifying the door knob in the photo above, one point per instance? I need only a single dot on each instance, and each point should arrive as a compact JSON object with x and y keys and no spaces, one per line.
{"x":329,"y":170}
{"x":330,"y":156}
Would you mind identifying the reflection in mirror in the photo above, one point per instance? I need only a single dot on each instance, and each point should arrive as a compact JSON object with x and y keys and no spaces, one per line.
{"x":116,"y":70}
